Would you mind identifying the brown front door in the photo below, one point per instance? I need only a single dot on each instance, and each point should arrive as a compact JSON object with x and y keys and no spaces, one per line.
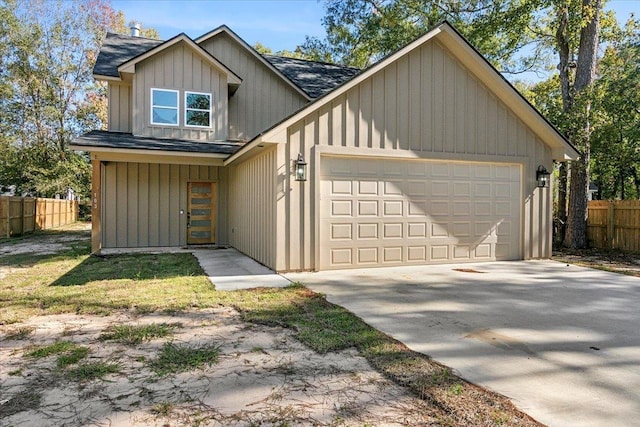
{"x":201,"y":216}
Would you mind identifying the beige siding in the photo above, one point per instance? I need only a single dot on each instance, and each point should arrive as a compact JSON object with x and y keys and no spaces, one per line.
{"x":425,"y":105}
{"x":179,"y":68}
{"x":119,"y":96}
{"x":263,"y":98}
{"x":142,"y":202}
{"x":252,"y":186}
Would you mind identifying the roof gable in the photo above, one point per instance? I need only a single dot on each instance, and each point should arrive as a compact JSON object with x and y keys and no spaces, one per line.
{"x":129,"y":66}
{"x":470,"y":58}
{"x":224,"y":29}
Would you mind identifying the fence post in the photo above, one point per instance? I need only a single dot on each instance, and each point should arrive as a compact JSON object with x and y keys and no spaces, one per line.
{"x":610,"y":224}
{"x":8,"y":229}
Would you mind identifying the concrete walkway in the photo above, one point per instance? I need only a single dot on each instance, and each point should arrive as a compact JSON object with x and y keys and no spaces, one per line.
{"x":562,"y":342}
{"x":229,"y":270}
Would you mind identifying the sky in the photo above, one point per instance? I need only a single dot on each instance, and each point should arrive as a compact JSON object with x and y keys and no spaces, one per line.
{"x":279,"y":24}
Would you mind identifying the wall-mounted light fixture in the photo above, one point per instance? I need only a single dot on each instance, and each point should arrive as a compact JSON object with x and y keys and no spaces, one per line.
{"x":301,"y":168}
{"x":542,"y":176}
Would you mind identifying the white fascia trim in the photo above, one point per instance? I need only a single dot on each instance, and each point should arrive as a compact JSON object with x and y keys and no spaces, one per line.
{"x":93,"y":149}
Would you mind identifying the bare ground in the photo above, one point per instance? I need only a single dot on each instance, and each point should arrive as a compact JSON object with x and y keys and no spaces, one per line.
{"x":264,"y":376}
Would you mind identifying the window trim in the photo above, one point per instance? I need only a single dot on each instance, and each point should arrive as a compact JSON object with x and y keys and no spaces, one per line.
{"x":186,"y":109}
{"x":177,"y":107}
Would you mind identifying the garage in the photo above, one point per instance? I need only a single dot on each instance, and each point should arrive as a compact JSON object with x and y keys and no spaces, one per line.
{"x":386,"y":212}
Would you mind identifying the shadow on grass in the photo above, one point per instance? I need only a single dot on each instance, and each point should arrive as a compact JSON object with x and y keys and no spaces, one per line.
{"x":30,"y":259}
{"x":134,"y":267}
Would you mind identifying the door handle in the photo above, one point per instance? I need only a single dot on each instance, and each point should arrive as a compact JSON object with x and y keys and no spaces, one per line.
{"x":188,"y":219}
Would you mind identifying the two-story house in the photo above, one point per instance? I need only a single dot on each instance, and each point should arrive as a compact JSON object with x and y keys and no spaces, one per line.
{"x":427,"y":156}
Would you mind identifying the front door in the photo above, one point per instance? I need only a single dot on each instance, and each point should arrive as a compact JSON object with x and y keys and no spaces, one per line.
{"x":201,"y":216}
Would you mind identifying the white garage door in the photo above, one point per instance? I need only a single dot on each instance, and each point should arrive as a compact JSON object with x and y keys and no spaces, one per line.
{"x":377,"y":212}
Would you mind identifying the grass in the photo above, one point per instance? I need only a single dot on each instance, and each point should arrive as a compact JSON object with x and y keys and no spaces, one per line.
{"x":69,"y":353}
{"x":91,"y":371}
{"x":175,"y":358}
{"x":47,"y":350}
{"x":72,"y":357}
{"x":132,"y":335}
{"x":74,"y":282}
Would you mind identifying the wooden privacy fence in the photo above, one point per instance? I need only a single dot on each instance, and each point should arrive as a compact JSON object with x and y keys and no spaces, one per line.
{"x":21,"y":215}
{"x":614,"y":224}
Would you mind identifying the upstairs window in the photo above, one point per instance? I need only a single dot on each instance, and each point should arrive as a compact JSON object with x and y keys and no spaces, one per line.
{"x":164,"y":107}
{"x":197,"y":109}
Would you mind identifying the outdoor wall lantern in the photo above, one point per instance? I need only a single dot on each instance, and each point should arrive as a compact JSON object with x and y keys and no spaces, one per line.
{"x":542,"y":176}
{"x":301,"y":168}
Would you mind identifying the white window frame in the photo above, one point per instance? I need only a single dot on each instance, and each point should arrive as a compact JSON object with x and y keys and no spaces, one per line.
{"x":177,"y":107}
{"x":186,"y":109}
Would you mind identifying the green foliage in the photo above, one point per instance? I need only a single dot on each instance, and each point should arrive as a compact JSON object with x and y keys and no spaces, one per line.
{"x":616,"y":136}
{"x":47,"y":92}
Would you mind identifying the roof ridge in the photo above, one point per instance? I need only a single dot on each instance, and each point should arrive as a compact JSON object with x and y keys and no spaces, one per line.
{"x":133,"y":37}
{"x":311,"y":60}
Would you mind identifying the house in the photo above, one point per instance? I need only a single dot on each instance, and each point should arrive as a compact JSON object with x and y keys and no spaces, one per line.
{"x":427,"y":156}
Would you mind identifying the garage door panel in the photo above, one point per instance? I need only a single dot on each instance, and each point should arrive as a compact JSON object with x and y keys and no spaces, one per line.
{"x":417,"y":230}
{"x":367,"y":188}
{"x":367,"y":255}
{"x":367,"y":208}
{"x":341,"y":208}
{"x":367,"y":231}
{"x":394,"y":212}
{"x":392,"y":208}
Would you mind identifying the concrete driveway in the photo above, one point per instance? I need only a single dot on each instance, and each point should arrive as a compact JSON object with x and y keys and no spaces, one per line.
{"x":563,"y":342}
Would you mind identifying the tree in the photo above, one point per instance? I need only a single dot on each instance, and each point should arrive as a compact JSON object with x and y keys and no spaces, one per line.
{"x":47,"y":92}
{"x":576,"y":233}
{"x":616,"y":101}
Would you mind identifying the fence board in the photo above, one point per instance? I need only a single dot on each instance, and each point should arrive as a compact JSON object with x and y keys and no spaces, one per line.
{"x":614,"y":224}
{"x":20,"y":215}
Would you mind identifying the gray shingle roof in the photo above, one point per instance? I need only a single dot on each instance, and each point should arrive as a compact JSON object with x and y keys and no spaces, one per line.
{"x":118,"y":49}
{"x":315,"y":78}
{"x":104,"y":139}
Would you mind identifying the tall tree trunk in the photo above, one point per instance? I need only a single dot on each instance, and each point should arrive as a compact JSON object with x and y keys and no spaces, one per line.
{"x":576,"y":235}
{"x":562,"y":42}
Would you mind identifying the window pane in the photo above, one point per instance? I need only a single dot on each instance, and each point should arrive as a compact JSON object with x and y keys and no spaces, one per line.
{"x":165,"y":98}
{"x":201,"y":234}
{"x":201,"y":201}
{"x":201,"y":223}
{"x":198,"y":118}
{"x":200,"y":212}
{"x":200,"y":102}
{"x":165,"y":115}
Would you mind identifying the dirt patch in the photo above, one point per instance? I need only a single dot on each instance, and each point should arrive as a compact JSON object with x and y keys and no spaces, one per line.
{"x":263,"y":376}
{"x":614,"y":261}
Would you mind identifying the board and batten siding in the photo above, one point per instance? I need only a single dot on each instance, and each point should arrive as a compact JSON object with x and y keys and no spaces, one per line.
{"x":179,"y":68}
{"x":119,"y":96}
{"x":142,"y":202}
{"x":252,"y":200}
{"x":262,"y":99}
{"x":424,"y":105}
